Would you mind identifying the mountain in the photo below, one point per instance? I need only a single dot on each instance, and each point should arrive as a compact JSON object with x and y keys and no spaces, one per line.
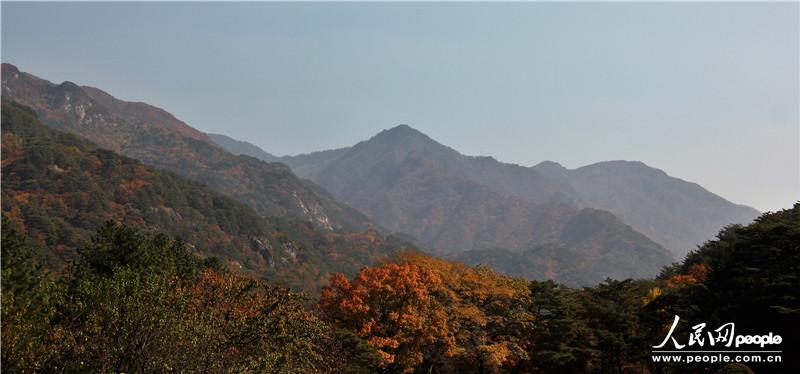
{"x":678,"y":214}
{"x":354,"y":164}
{"x":453,"y":203}
{"x":158,"y":139}
{"x":58,"y":188}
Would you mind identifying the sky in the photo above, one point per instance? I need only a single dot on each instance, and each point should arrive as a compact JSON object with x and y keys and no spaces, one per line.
{"x":707,"y":92}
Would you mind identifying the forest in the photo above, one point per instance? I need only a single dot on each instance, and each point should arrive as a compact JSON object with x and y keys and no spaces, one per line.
{"x":110,"y":264}
{"x":135,"y":301}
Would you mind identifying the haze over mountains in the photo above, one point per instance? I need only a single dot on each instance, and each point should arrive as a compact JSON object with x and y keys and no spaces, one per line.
{"x":674,"y":213}
{"x":678,"y":214}
{"x":575,"y":226}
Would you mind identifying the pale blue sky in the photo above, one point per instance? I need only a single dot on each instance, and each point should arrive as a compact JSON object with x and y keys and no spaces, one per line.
{"x":706,"y":92}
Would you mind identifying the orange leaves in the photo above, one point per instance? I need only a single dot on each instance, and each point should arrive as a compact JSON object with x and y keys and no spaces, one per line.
{"x":405,"y":286}
{"x":391,"y":307}
{"x":696,"y":274}
{"x":698,"y":271}
{"x":420,"y":308}
{"x":495,"y":354}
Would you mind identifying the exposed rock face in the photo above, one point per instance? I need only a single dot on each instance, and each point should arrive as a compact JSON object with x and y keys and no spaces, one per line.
{"x":157,"y":138}
{"x":263,"y":248}
{"x":58,"y":188}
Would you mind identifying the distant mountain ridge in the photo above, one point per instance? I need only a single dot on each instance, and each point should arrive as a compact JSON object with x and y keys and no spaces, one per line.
{"x":459,"y":206}
{"x":455,"y":204}
{"x":677,"y":214}
{"x":506,"y":179}
{"x":158,"y":139}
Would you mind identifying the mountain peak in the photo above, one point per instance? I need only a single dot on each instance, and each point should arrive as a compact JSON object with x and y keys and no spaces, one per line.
{"x":619,"y":164}
{"x":548,"y":163}
{"x":550,"y":168}
{"x":402,"y":137}
{"x":402,"y":130}
{"x":624,"y":167}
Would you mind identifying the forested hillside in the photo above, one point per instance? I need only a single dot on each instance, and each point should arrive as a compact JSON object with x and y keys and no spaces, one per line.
{"x":414,"y":313}
{"x":427,"y":315}
{"x":143,"y":303}
{"x":158,"y":139}
{"x":392,"y":187}
{"x":58,"y":188}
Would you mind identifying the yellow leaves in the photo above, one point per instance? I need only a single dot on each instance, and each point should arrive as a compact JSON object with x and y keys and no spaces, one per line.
{"x":652,"y":294}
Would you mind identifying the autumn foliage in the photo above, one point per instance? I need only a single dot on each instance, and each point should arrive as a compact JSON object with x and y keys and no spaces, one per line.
{"x":393,"y":308}
{"x":144,"y":304}
{"x":421,"y":312}
{"x":696,"y":274}
{"x":134,"y":297}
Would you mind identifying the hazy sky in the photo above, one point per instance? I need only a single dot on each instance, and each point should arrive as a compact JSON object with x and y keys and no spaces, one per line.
{"x":706,"y":92}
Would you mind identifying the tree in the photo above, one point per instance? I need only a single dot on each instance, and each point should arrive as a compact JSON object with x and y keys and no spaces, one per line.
{"x":749,"y":275}
{"x":139,"y":302}
{"x":29,"y":297}
{"x":560,"y":337}
{"x":424,"y":314}
{"x":393,"y":307}
{"x":611,"y":311}
{"x":240,"y":324}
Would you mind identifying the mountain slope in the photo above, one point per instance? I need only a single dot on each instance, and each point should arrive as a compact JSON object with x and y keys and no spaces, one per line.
{"x":453,"y":215}
{"x":408,"y":183}
{"x":158,"y":139}
{"x":238,"y":147}
{"x":678,"y":214}
{"x":352,"y":165}
{"x":57,"y":188}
